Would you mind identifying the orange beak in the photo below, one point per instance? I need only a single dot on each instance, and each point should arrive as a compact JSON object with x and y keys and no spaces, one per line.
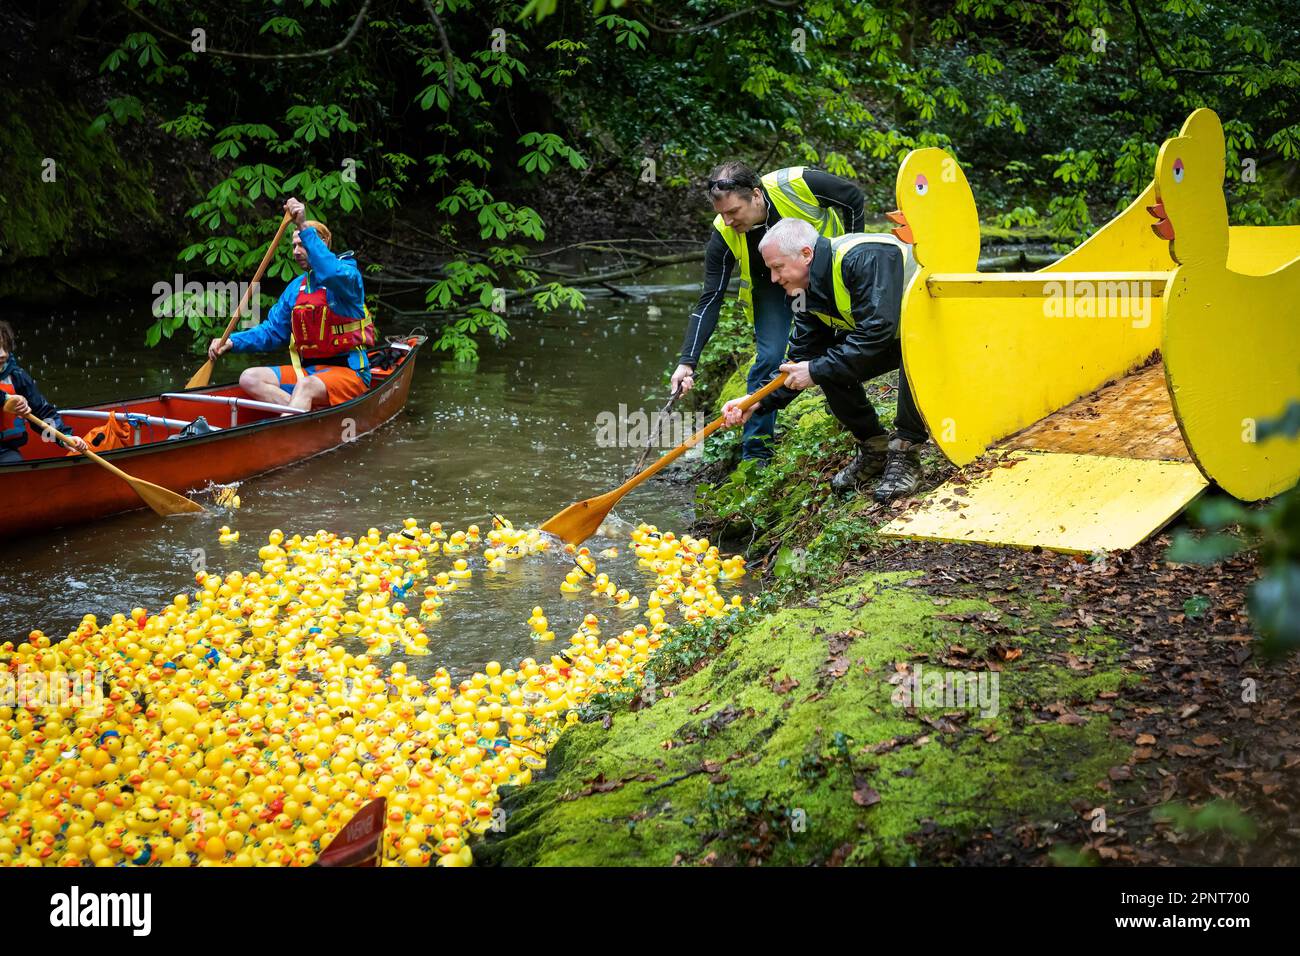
{"x":1162,"y":227}
{"x":903,"y":231}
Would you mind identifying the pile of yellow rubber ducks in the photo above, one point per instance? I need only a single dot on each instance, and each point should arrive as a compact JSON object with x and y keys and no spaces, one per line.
{"x":235,"y":727}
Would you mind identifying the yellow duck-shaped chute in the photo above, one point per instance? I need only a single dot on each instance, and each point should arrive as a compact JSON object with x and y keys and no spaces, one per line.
{"x":1231,"y":339}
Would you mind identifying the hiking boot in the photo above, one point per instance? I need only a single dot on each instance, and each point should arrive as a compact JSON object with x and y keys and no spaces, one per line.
{"x":867,"y":463}
{"x":902,"y":475}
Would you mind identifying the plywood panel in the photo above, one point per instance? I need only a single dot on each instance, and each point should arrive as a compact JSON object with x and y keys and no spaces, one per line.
{"x":1060,"y":501}
{"x":1131,"y":418}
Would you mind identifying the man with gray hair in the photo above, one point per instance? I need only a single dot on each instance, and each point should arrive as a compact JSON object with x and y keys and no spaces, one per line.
{"x":847,"y":298}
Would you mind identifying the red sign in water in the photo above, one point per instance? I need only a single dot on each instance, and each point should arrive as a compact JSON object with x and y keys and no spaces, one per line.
{"x":360,"y":842}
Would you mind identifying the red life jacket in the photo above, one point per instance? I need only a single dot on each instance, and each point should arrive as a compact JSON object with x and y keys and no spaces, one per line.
{"x":7,"y":421}
{"x":317,"y":332}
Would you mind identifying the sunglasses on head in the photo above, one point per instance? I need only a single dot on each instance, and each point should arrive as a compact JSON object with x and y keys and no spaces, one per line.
{"x":729,"y":184}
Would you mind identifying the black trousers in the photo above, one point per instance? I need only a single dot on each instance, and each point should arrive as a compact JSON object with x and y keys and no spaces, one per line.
{"x":849,"y":403}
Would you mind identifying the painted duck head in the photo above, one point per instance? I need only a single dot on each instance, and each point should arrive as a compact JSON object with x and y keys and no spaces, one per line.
{"x":1190,"y":209}
{"x":936,"y":211}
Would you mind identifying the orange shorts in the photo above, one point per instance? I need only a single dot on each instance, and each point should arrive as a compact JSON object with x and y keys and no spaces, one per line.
{"x":341,"y":382}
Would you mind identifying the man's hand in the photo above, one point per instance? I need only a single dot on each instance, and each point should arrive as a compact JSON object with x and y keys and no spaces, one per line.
{"x":296,"y":210}
{"x":217,"y":347}
{"x":797,"y":377}
{"x":77,"y":442}
{"x":733,"y":414}
{"x":683,"y":378}
{"x":17,"y":405}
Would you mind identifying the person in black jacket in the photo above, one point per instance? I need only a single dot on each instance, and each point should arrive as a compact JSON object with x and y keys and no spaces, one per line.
{"x":747,"y":205}
{"x":21,"y":397}
{"x":847,"y":295}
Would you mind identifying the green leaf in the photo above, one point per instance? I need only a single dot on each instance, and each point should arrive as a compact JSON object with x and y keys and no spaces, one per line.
{"x":1196,"y":606}
{"x":1207,"y":549}
{"x":1274,"y":605}
{"x":284,"y":26}
{"x":1218,"y":512}
{"x":1287,"y":425}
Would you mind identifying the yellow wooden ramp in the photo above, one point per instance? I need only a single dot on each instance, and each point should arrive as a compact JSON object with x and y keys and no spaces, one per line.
{"x":1056,"y":500}
{"x":1100,"y":474}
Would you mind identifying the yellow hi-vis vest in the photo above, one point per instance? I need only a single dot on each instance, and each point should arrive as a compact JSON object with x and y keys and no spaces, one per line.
{"x":793,"y":200}
{"x":839,"y":249}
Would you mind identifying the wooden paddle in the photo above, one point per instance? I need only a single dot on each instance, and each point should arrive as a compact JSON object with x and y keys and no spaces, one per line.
{"x":204,"y":375}
{"x":579,"y":522}
{"x":161,"y":500}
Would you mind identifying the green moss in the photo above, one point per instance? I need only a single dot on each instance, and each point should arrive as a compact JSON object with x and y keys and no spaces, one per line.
{"x":759,"y":754}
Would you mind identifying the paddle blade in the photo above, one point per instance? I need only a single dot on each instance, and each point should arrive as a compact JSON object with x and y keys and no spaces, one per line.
{"x":161,"y":500}
{"x":202,"y":377}
{"x":576,"y":523}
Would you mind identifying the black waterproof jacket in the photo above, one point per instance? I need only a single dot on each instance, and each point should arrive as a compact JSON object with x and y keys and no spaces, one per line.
{"x":873,"y":274}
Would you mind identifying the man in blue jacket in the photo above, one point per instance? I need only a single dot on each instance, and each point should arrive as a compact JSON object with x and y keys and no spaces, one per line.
{"x":321,"y":316}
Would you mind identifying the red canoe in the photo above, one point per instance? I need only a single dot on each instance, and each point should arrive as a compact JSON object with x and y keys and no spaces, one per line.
{"x":50,"y":489}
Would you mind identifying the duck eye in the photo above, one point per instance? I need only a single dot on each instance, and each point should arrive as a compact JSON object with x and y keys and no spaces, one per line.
{"x":1178,"y":170}
{"x":922,"y":184}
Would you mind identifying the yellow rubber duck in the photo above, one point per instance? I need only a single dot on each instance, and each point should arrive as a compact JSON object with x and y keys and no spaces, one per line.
{"x":250,"y":735}
{"x":732,"y":568}
{"x":226,"y":536}
{"x":460,"y":570}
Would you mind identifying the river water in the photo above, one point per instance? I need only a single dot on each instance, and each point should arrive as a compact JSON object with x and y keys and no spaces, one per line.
{"x":516,"y":435}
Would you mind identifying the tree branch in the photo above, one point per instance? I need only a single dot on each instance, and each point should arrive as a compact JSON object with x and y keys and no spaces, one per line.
{"x":446,"y":53}
{"x":1160,"y":60}
{"x":596,"y":279}
{"x":701,"y":27}
{"x":312,"y":54}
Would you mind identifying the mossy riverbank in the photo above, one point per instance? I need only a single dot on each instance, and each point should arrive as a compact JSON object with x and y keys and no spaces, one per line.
{"x":793,"y":744}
